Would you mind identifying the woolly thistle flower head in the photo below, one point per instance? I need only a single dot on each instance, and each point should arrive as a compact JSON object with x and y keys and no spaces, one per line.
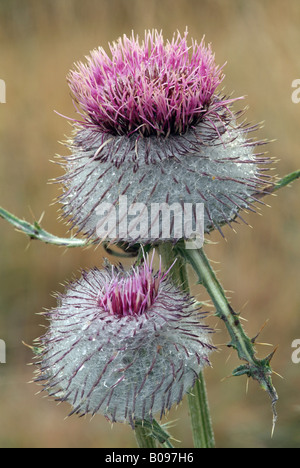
{"x":123,"y":344}
{"x":154,"y":129}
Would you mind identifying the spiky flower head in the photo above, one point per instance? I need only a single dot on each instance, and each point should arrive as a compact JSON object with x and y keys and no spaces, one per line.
{"x":154,"y":128}
{"x":123,"y":344}
{"x":153,"y":88}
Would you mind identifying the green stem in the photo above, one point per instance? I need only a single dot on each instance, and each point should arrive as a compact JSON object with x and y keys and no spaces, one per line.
{"x":35,"y":231}
{"x":259,"y":370}
{"x":200,"y":415}
{"x":284,"y":181}
{"x":149,"y":432}
{"x":143,"y":438}
{"x":198,"y":403}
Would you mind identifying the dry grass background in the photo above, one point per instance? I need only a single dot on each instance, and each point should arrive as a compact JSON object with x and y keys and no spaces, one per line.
{"x":39,"y":41}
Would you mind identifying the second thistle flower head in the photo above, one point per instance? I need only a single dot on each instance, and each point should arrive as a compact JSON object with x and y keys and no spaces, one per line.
{"x":127,"y":345}
{"x":154,"y":128}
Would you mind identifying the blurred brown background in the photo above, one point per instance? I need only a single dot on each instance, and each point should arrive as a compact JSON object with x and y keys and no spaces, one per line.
{"x":39,"y":42}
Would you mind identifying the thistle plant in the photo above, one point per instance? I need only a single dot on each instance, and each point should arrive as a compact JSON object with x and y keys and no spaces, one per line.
{"x":154,"y":127}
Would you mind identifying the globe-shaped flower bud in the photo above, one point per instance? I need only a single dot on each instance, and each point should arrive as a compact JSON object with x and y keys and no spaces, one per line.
{"x":123,"y":344}
{"x":155,"y":136}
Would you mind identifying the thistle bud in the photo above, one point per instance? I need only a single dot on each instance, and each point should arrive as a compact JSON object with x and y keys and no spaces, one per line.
{"x":127,"y":345}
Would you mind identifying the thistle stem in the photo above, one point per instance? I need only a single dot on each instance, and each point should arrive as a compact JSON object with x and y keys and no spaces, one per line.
{"x":148,"y":432}
{"x":203,"y":435}
{"x":35,"y":231}
{"x":200,"y":415}
{"x":143,"y":438}
{"x":258,"y":369}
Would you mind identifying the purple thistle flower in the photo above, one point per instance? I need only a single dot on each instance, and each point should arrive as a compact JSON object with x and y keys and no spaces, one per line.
{"x":151,"y":88}
{"x":127,"y":345}
{"x":154,"y":128}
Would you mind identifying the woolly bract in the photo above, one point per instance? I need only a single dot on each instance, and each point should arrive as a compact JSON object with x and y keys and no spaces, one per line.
{"x":127,"y":345}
